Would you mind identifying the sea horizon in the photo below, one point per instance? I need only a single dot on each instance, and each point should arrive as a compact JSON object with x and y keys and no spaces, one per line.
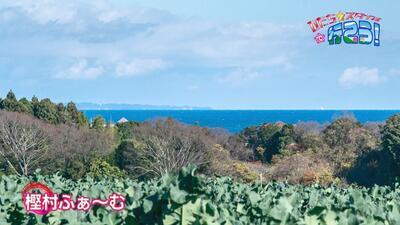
{"x":236,"y":120}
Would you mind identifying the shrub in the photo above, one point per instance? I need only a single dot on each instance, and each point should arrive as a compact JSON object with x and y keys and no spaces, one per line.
{"x":244,"y":173}
{"x":236,"y":147}
{"x":220,"y":163}
{"x":302,"y":168}
{"x":101,"y":169}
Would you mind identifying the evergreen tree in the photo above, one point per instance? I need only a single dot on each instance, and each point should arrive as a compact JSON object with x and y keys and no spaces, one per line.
{"x":46,"y":110}
{"x":10,"y":103}
{"x":35,"y":105}
{"x":73,"y":113}
{"x":75,"y":116}
{"x":62,"y":113}
{"x":98,"y":123}
{"x":391,"y":137}
{"x":25,"y":106}
{"x":82,"y":120}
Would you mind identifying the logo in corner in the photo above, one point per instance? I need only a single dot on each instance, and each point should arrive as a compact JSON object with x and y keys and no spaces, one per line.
{"x":348,"y":28}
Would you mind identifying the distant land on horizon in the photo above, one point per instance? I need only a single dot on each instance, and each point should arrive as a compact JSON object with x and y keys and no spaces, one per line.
{"x":116,"y":106}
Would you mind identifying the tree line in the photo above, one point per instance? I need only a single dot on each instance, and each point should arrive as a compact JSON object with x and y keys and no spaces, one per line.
{"x":45,"y":109}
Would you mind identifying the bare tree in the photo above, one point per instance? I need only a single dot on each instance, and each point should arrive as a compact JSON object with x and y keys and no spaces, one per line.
{"x":23,"y":141}
{"x":72,"y":149}
{"x":163,"y":146}
{"x":163,"y":154}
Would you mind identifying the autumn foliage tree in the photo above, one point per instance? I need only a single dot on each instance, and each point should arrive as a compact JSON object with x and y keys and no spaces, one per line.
{"x":347,"y":140}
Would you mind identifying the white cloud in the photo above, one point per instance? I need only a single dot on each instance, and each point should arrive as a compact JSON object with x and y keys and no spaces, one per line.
{"x":226,"y":45}
{"x":44,"y":11}
{"x":360,"y":76}
{"x":139,"y":67}
{"x":80,"y":71}
{"x":131,"y":41}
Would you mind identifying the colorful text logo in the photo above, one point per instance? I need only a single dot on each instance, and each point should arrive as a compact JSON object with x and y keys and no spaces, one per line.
{"x":39,"y":199}
{"x":349,"y":28}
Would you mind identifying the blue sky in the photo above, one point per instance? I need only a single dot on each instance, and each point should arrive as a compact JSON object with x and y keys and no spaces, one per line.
{"x":221,"y":54}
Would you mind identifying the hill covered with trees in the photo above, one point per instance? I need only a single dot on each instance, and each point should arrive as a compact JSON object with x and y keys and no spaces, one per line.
{"x":40,"y":134}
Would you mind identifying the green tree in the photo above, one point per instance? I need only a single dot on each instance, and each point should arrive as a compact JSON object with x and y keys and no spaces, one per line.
{"x":268,"y":139}
{"x":25,"y":106}
{"x":10,"y":103}
{"x":75,"y":116}
{"x":278,"y":141}
{"x":35,"y":104}
{"x":391,"y":137}
{"x":100,"y":169}
{"x":47,"y":111}
{"x":259,"y":138}
{"x":126,"y":130}
{"x":62,"y":113}
{"x":72,"y":111}
{"x":285,"y":137}
{"x":82,"y":120}
{"x":98,"y":123}
{"x":126,"y":156}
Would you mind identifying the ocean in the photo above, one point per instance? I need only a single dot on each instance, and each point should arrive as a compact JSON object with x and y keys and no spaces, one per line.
{"x":236,"y":120}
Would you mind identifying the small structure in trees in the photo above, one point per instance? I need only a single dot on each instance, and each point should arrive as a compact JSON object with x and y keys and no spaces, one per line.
{"x":122,"y":120}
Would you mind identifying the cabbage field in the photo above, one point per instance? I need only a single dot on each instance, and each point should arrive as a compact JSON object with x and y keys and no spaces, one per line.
{"x":188,"y":199}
